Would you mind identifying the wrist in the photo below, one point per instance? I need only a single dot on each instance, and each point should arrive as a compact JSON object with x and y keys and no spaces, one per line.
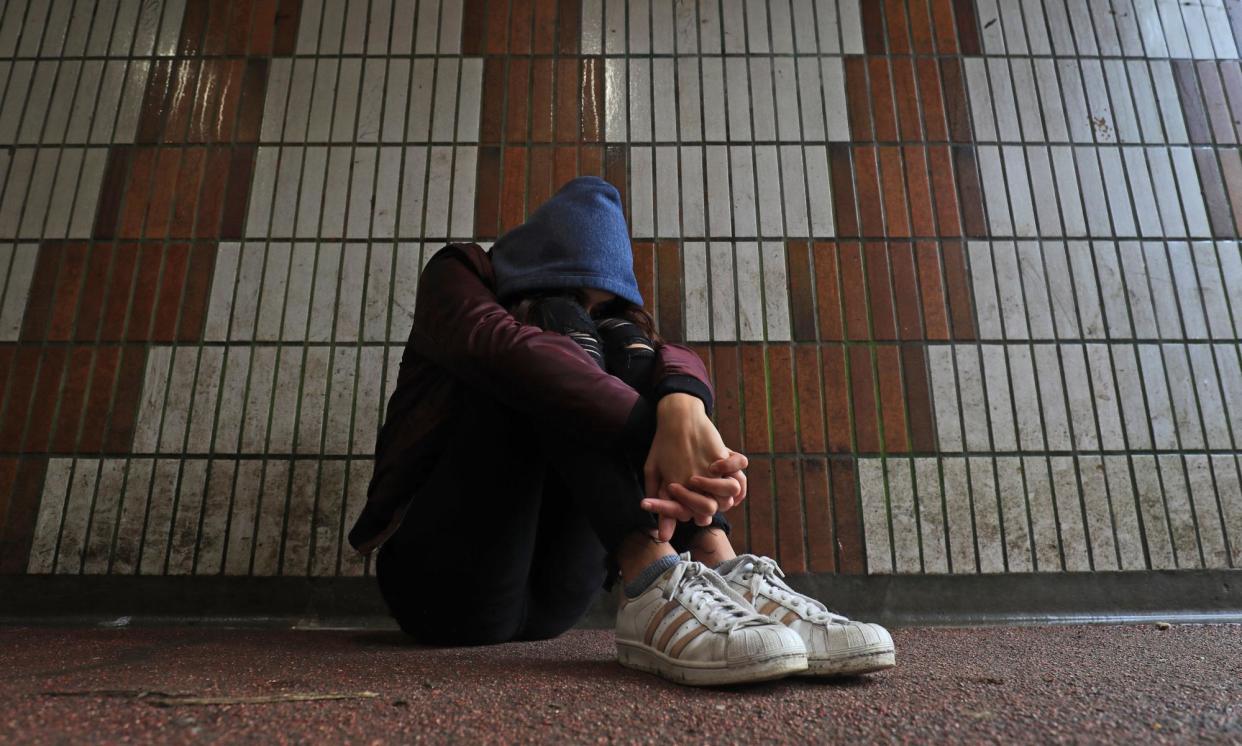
{"x":678,"y":404}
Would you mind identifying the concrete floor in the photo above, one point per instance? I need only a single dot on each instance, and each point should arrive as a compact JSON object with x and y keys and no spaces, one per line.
{"x":1072,"y":683}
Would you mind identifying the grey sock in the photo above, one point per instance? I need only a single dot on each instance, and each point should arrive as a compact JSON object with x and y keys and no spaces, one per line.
{"x":650,"y":573}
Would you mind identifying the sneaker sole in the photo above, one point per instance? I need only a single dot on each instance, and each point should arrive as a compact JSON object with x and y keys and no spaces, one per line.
{"x":650,"y":661}
{"x":865,"y":661}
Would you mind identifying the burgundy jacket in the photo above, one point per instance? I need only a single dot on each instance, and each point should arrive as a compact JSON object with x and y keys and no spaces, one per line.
{"x":464,"y":339}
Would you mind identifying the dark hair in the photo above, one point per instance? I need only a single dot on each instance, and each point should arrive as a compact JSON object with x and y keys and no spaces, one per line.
{"x":521,"y":307}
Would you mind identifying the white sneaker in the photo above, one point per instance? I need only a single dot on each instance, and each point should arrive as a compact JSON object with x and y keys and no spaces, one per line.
{"x":835,"y":645}
{"x":689,"y":627}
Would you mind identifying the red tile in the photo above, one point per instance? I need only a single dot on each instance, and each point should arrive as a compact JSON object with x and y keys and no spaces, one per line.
{"x":851,"y":557}
{"x":616,"y":159}
{"x":781,"y":391}
{"x":215,"y":40}
{"x":931,"y":99}
{"x":801,"y":295}
{"x":497,"y":33}
{"x":42,"y":293}
{"x":921,"y":31}
{"x":473,"y":27}
{"x":565,"y":166}
{"x":828,"y":290}
{"x":146,"y":288}
{"x":116,"y":300}
{"x":873,"y":27}
{"x":68,"y":288}
{"x":125,"y":402}
{"x":892,"y":398}
{"x":263,"y":27}
{"x":172,"y":282}
{"x":163,"y":189}
{"x":237,"y":35}
{"x":183,"y":94}
{"x":853,"y":281}
{"x":960,"y":312}
{"x":542,"y":179}
{"x":1219,"y":211}
{"x":882,"y":104}
{"x":862,"y":397}
{"x":898,"y":26}
{"x":284,"y":38}
{"x":1219,"y":116}
{"x":73,"y":395}
{"x":879,"y":291}
{"x":837,"y":400}
{"x":491,"y":121}
{"x":137,"y":192}
{"x":845,"y":207}
{"x":591,"y":160}
{"x":946,"y":30}
{"x":1231,"y":75}
{"x":542,"y":106}
{"x":214,"y":193}
{"x":592,"y":99}
{"x":790,"y":530}
{"x":568,"y":86}
{"x":544,"y":41}
{"x":820,"y":541}
{"x":1231,"y":167}
{"x":237,"y":198}
{"x":931,"y":291}
{"x":95,"y":417}
{"x":22,"y":376}
{"x":516,"y":129}
{"x":112,"y":192}
{"x":905,"y":290}
{"x":867,"y":181}
{"x":760,"y":507}
{"x":810,"y":400}
{"x":185,"y":203}
{"x":918,"y":398}
{"x":8,"y":475}
{"x":644,"y":272}
{"x":569,"y":26}
{"x":922,"y":218}
{"x":43,"y":402}
{"x":18,"y":529}
{"x":151,"y":115}
{"x":955,"y":108}
{"x":944,"y":189}
{"x":905,"y":94}
{"x":193,"y":24}
{"x":1192,"y":105}
{"x":858,"y":97}
{"x":521,"y":20}
{"x":194,"y":297}
{"x":513,"y":189}
{"x":896,"y":215}
{"x":967,"y":28}
{"x":250,"y":106}
{"x":755,"y":400}
{"x":726,"y":384}
{"x":970,"y":195}
{"x":487,"y":193}
{"x":669,"y":306}
{"x":90,"y":305}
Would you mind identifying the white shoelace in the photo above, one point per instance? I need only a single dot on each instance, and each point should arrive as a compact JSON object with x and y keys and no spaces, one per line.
{"x":703,"y":590}
{"x":764,"y":570}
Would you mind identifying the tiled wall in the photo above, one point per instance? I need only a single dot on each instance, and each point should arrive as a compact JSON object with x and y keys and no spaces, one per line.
{"x":966,"y":274}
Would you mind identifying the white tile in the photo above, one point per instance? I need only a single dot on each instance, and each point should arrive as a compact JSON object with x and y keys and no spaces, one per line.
{"x":775,"y":291}
{"x":206,"y":389}
{"x":1211,"y":402}
{"x":451,"y":12}
{"x":1075,"y":221}
{"x":957,"y":507}
{"x":697,"y":289}
{"x":272,"y":293}
{"x":992,"y":30}
{"x":297,"y":538}
{"x":413,"y":189}
{"x":1207,"y":514}
{"x":663,"y":100}
{"x":1083,"y":28}
{"x":1212,"y":290}
{"x":640,"y":104}
{"x":719,"y":204}
{"x":1007,"y":126}
{"x":689,"y":100}
{"x":1039,"y":498}
{"x":1227,"y":362}
{"x":724,"y":299}
{"x":404,"y":290}
{"x":232,"y":396}
{"x":98,"y":555}
{"x":979,"y":90}
{"x":686,"y":26}
{"x":271,"y":512}
{"x":1061,"y":286}
{"x":327,"y":518}
{"x":151,"y":405}
{"x":832,"y":72}
{"x":1052,"y":396}
{"x":1105,"y":392}
{"x":378,"y":289}
{"x":387,"y":191}
{"x":1152,"y":511}
{"x":785,"y":81}
{"x":1197,"y":32}
{"x":361,"y":193}
{"x":1182,"y":392}
{"x":1097,"y":511}
{"x":1230,"y":495}
{"x":1012,"y":496}
{"x":1000,"y":407}
{"x":1231,"y":267}
{"x":994,"y":190}
{"x":851,"y":26}
{"x":931,"y":515}
{"x":323,"y":297}
{"x":350,"y":293}
{"x":793,"y":191}
{"x":642,"y":188}
{"x":1112,"y":289}
{"x":944,"y":397}
{"x":1076,"y":112}
{"x":177,"y":403}
{"x":1188,"y":290}
{"x":987,"y":517}
{"x":1150,"y":28}
{"x":742,"y":173}
{"x":17,"y":263}
{"x":1217,"y":19}
{"x":820,"y":191}
{"x":639,"y":26}
{"x":668,"y":192}
{"x":359,"y":477}
{"x":426,"y":27}
{"x":1180,"y":512}
{"x":1192,"y":196}
{"x":258,"y":400}
{"x":614,"y":25}
{"x":1118,"y":192}
{"x":307,"y":206}
{"x":762,"y":104}
{"x":340,"y":400}
{"x":1094,"y":194}
{"x":987,"y":306}
{"x":369,"y":399}
{"x":1069,"y":513}
{"x":901,"y":502}
{"x":875,"y":516}
{"x":809,"y":98}
{"x":1163,"y":295}
{"x":71,"y":549}
{"x":129,"y":532}
{"x":715,"y":122}
{"x":1027,"y":415}
{"x":768,"y":190}
{"x":242,"y":518}
{"x":710,"y":30}
{"x":749,"y":291}
{"x":1043,"y":183}
{"x":692,"y":192}
{"x":737,"y":87}
{"x":285,"y":399}
{"x":439,"y":171}
{"x":1148,"y":111}
{"x":1164,"y":189}
{"x":1027,"y":94}
{"x":1034,"y":282}
{"x":973,"y":398}
{"x":159,"y":517}
{"x":1079,"y":396}
{"x":1020,"y":199}
{"x":616,"y":95}
{"x":315,"y":369}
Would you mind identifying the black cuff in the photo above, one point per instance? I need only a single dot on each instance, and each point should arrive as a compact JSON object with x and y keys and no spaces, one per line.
{"x":683,"y":384}
{"x":640,"y":426}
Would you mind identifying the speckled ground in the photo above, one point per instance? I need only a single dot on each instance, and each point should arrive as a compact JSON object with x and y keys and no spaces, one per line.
{"x":992,"y":684}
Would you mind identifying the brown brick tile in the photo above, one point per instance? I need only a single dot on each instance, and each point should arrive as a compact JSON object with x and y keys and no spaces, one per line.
{"x":8,"y":475}
{"x":180,"y":104}
{"x":867,"y":181}
{"x":1219,"y":116}
{"x":967,"y":28}
{"x":542,"y":104}
{"x":1219,"y":211}
{"x":801,"y":295}
{"x":893,"y":188}
{"x":171,"y":284}
{"x":944,"y":190}
{"x":237,"y":34}
{"x":851,"y":553}
{"x":151,"y":115}
{"x":492,"y":119}
{"x":873,"y":27}
{"x":616,"y":158}
{"x":781,"y":390}
{"x":473,"y":27}
{"x":820,"y":542}
{"x":790,"y":530}
{"x":958,"y":286}
{"x":883,"y":107}
{"x":516,"y":129}
{"x":284,"y":38}
{"x":760,"y":507}
{"x":739,"y":532}
{"x":112,"y":192}
{"x":250,"y":105}
{"x":241,"y":171}
{"x":1197,"y":126}
{"x":892,"y":398}
{"x":194,"y":297}
{"x":906,"y":97}
{"x":1231,"y":75}
{"x":222,"y":117}
{"x":879,"y":291}
{"x":263,"y":27}
{"x":215,"y":39}
{"x":185,"y":201}
{"x":99,"y":397}
{"x":90,"y":303}
{"x":845,"y":206}
{"x":43,"y":402}
{"x":932,"y":100}
{"x":862,"y":397}
{"x":214,"y":193}
{"x":828,"y":290}
{"x":1231,"y":166}
{"x":727,"y":385}
{"x":42,"y":294}
{"x":23,"y":374}
{"x":645,"y":273}
{"x":69,"y":282}
{"x":125,"y":403}
{"x":569,"y":26}
{"x":592,"y":99}
{"x":918,"y":398}
{"x":755,"y":400}
{"x":18,"y":530}
{"x":853,"y":281}
{"x":116,"y":299}
{"x":810,"y":400}
{"x":837,"y":399}
{"x":513,"y":188}
{"x":544,"y":41}
{"x":898,"y":26}
{"x":568,"y":92}
{"x":921,"y":32}
{"x":858,"y":97}
{"x":487,"y":193}
{"x":921,"y":211}
{"x":163,"y":189}
{"x":931,"y":291}
{"x":72,"y":397}
{"x":521,"y":20}
{"x":591,"y":162}
{"x":542,"y":178}
{"x":970,"y":195}
{"x":905,"y":290}
{"x":146,"y":289}
{"x":943,"y":22}
{"x":193,"y":24}
{"x":565,"y":165}
{"x":669,"y":306}
{"x":956,"y":110}
{"x":497,"y":31}
{"x":137,"y":192}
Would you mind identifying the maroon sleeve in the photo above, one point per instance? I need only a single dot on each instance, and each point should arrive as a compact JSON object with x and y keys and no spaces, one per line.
{"x":461,"y":326}
{"x":680,"y":369}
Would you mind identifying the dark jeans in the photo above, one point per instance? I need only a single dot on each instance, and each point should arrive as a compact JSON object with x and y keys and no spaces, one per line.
{"x":511,"y":536}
